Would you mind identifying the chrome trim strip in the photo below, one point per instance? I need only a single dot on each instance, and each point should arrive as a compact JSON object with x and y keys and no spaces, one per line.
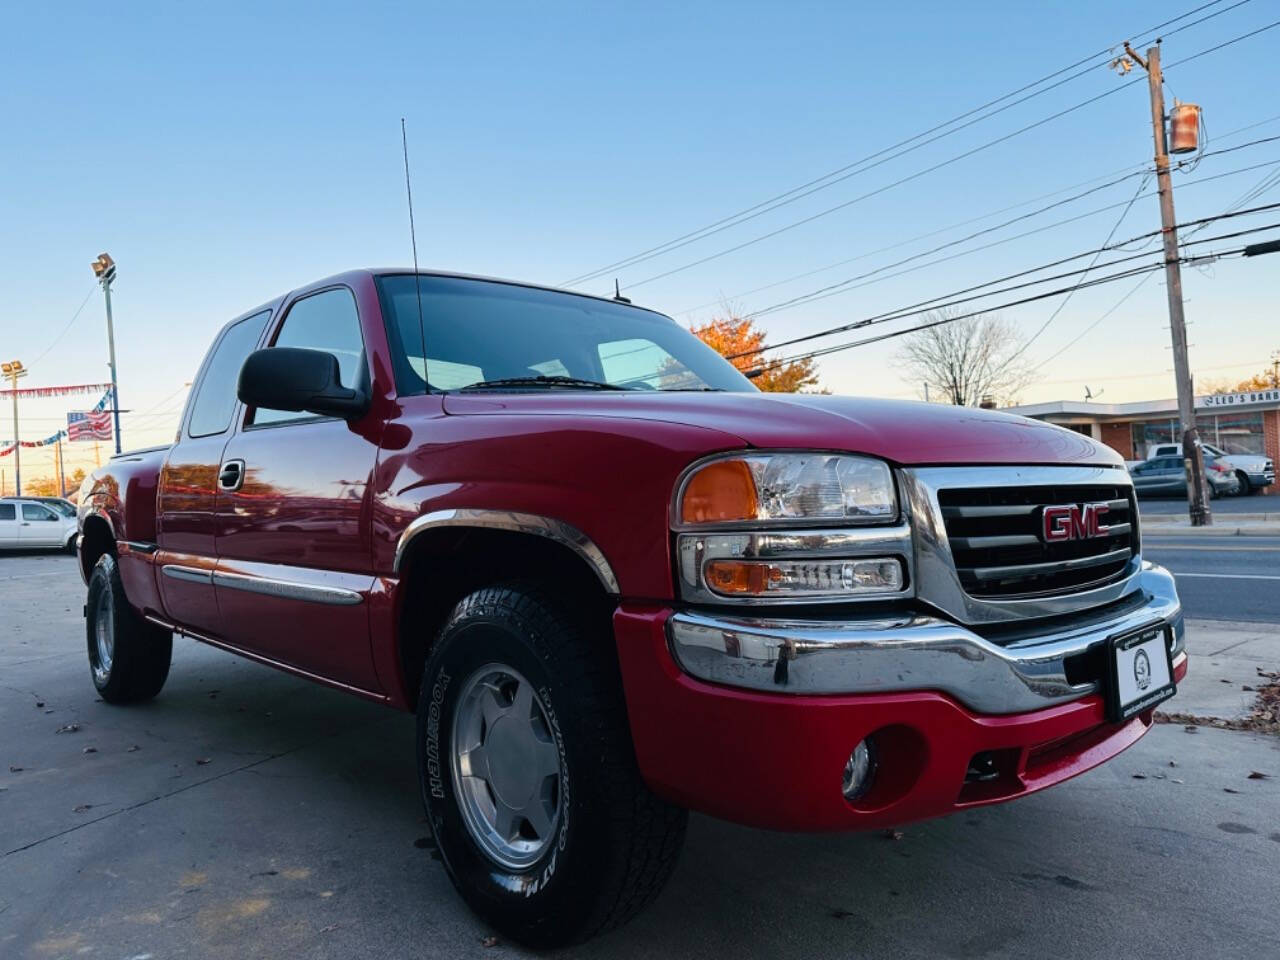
{"x":938,"y":583}
{"x":286,"y":589}
{"x":176,"y":571}
{"x":1053,"y":566}
{"x":908,"y":653}
{"x":695,"y":550}
{"x":555,"y":530}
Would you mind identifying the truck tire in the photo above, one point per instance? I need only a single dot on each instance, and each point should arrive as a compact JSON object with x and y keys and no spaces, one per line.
{"x":529,"y":776}
{"x":128,"y":657}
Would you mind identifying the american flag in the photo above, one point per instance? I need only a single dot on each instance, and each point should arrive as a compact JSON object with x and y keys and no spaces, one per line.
{"x":89,"y":425}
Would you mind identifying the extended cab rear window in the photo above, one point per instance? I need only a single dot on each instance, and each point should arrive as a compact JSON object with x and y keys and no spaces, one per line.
{"x":216,"y":400}
{"x":478,"y":330}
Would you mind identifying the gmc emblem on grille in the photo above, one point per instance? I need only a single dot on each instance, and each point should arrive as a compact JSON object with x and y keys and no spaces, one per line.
{"x":1074,"y":522}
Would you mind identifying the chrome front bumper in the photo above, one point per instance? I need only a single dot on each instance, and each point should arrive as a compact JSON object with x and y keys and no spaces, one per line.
{"x":912,"y":652}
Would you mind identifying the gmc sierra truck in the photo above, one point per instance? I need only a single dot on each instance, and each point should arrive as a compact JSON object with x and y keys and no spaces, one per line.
{"x":615,"y":582}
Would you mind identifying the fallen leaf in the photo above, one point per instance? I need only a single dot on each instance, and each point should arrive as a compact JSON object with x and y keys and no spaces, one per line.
{"x":1223,"y":680}
{"x":329,"y":929}
{"x":1245,"y":686}
{"x":68,"y":728}
{"x":13,"y":769}
{"x":202,"y":761}
{"x":489,"y":942}
{"x":1139,"y":776}
{"x":83,"y":807}
{"x":89,"y":750}
{"x":134,"y":749}
{"x":1191,"y":728}
{"x":1255,"y":775}
{"x":1229,"y":790}
{"x":1175,"y":780}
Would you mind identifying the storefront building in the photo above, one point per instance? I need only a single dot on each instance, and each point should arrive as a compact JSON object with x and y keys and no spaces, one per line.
{"x":1244,"y":423}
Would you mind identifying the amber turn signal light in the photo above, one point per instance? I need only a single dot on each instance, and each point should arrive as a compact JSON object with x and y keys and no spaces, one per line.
{"x":720,"y":491}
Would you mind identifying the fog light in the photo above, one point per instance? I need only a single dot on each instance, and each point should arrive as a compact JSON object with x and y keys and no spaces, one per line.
{"x":859,"y":771}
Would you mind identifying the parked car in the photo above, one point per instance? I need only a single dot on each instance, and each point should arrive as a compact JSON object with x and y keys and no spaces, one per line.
{"x":28,"y":524}
{"x":1253,"y":472}
{"x":1167,"y":477}
{"x":615,"y":582}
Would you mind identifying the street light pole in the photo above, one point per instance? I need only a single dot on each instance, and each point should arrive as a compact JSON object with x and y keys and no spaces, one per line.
{"x":1197,"y":489}
{"x":104,"y":268}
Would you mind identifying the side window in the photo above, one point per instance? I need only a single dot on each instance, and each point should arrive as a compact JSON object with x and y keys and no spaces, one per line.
{"x":35,"y":511}
{"x":8,"y":511}
{"x":325,"y":321}
{"x":211,"y":410}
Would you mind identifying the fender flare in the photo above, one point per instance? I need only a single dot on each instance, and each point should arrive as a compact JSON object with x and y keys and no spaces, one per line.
{"x":516,"y":522}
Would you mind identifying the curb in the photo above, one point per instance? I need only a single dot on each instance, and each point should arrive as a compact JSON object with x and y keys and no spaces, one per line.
{"x":1217,"y":530}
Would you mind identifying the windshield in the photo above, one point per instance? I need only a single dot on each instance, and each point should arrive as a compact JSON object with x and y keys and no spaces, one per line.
{"x":64,"y":507}
{"x":479,"y":330}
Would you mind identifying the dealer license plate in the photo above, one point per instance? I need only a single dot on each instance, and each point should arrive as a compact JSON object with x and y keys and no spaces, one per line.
{"x":1141,"y":671}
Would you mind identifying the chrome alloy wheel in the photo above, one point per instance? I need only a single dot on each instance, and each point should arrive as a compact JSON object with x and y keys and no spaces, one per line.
{"x":506,"y":766}
{"x":104,"y":635}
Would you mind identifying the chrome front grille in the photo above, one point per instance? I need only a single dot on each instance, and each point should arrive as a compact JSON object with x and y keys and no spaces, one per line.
{"x":996,"y":536}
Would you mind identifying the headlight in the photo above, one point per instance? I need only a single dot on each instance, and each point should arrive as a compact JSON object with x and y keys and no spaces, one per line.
{"x":781,"y":487}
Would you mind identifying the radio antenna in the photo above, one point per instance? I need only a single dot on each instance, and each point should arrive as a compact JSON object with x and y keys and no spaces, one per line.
{"x":413,"y":239}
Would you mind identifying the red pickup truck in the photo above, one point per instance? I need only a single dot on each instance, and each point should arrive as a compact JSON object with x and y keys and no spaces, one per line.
{"x":615,"y":582}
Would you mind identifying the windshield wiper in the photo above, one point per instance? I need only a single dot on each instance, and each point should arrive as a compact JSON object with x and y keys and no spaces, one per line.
{"x":543,"y":381}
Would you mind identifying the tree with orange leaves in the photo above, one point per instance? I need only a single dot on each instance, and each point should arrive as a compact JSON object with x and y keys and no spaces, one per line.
{"x":731,"y":334}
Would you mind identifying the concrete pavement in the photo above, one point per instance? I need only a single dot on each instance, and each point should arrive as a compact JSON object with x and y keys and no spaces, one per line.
{"x":302,"y":834}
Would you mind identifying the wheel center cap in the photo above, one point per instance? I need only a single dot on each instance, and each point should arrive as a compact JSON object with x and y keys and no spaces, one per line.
{"x":512,"y":769}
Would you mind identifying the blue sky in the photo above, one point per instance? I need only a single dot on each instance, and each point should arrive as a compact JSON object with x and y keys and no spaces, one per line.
{"x":226,"y":154}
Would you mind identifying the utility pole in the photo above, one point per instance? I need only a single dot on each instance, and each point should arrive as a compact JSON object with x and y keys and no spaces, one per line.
{"x":1197,"y":490}
{"x":1275,"y":368}
{"x":62,"y":476}
{"x":104,"y":268}
{"x":14,"y":371}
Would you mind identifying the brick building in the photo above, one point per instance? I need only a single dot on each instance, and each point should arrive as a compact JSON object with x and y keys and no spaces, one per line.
{"x":1234,"y":422}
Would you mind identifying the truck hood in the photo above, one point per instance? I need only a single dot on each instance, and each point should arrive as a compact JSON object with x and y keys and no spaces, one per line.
{"x":904,"y":432}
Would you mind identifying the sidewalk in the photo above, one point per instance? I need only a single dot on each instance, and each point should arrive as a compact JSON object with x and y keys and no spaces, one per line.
{"x":1224,"y":525}
{"x":1222,"y":678}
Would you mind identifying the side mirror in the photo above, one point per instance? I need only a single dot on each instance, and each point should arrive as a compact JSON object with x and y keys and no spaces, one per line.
{"x":291,"y":378}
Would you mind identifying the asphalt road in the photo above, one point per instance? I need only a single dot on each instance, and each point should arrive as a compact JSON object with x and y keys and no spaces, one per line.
{"x":1222,"y":578}
{"x":246,"y":813}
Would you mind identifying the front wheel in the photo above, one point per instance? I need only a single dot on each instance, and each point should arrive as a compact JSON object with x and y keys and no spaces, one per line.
{"x":128,"y":657}
{"x":529,"y":775}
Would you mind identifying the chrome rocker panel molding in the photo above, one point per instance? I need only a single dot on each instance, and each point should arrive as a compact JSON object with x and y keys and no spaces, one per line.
{"x":937,"y":582}
{"x":908,"y":653}
{"x":555,"y":530}
{"x":176,"y":571}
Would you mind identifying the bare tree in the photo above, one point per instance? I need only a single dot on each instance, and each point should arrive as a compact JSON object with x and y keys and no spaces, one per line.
{"x":967,"y":361}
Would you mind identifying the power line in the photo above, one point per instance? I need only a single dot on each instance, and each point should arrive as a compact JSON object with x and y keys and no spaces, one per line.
{"x":843,"y":173}
{"x":75,"y":316}
{"x":1135,"y":271}
{"x":1067,"y":299}
{"x":933,"y":303}
{"x":844,"y":285}
{"x":963,"y":223}
{"x":937,"y":166}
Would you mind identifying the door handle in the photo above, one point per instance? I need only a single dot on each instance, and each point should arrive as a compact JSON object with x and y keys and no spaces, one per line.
{"x":231,"y":476}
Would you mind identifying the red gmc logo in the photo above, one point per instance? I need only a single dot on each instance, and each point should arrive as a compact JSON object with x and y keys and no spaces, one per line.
{"x":1074,"y":522}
